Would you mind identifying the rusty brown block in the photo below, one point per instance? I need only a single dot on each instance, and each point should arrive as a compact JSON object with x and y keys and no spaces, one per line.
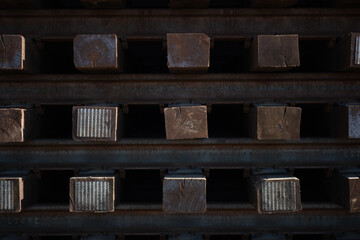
{"x":187,"y":122}
{"x":189,"y":3}
{"x":103,"y":3}
{"x":273,"y":3}
{"x":17,"y":124}
{"x":275,"y":122}
{"x":346,"y":53}
{"x":95,"y":123}
{"x":188,"y":52}
{"x":20,"y":4}
{"x":276,"y":193}
{"x":346,"y":121}
{"x":275,"y":52}
{"x":17,"y":54}
{"x":346,"y":191}
{"x":92,"y":194}
{"x":97,"y":53}
{"x":184,"y":194}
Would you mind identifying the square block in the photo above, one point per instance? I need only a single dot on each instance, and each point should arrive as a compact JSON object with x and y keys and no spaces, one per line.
{"x":275,"y":122}
{"x":92,"y":194}
{"x":95,"y":123}
{"x":188,"y":52}
{"x":346,"y":121}
{"x":275,"y":52}
{"x":97,"y":53}
{"x":186,"y":122}
{"x":277,"y":194}
{"x":103,"y":3}
{"x":189,"y":3}
{"x":346,"y":191}
{"x":184,"y":194}
{"x":11,"y":194}
{"x":346,"y":53}
{"x":273,"y":3}
{"x":12,"y":125}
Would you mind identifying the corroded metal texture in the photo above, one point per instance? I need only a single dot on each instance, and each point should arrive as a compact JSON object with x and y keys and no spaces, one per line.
{"x":11,"y":194}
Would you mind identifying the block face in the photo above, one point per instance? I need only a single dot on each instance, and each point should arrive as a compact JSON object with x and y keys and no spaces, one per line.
{"x":188,"y":52}
{"x":346,"y":191}
{"x":12,"y":52}
{"x":92,"y":194}
{"x":354,"y":188}
{"x":189,"y":3}
{"x":353,"y":121}
{"x":95,"y":123}
{"x":12,"y":124}
{"x":357,"y":50}
{"x":276,"y":122}
{"x":275,"y":52}
{"x":186,"y":122}
{"x":103,"y":3}
{"x":11,"y":194}
{"x":278,"y":195}
{"x":96,"y":53}
{"x":273,"y":3}
{"x":184,"y":194}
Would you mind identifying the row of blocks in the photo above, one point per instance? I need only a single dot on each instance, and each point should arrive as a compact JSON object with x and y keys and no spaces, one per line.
{"x":184,"y":192}
{"x":172,"y":3}
{"x":95,"y":123}
{"x":186,"y":53}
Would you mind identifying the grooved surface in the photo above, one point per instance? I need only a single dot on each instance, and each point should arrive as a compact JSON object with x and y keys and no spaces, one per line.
{"x":94,"y":123}
{"x":357,"y":50}
{"x":278,"y":196}
{"x":6,"y":195}
{"x":354,"y":121}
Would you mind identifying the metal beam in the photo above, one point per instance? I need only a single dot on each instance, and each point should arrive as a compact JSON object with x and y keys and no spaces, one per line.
{"x":170,"y":88}
{"x":46,"y":23}
{"x":211,"y":153}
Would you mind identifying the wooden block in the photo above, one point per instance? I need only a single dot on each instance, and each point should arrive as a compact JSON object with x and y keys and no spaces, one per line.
{"x":187,"y":122}
{"x":275,"y":52}
{"x":346,"y":53}
{"x":188,"y":52}
{"x":189,"y":3}
{"x":103,"y":3}
{"x":275,"y":122}
{"x":273,"y":3}
{"x":276,"y":194}
{"x":346,"y":191}
{"x":17,"y":192}
{"x":17,"y":54}
{"x":346,"y":121}
{"x":18,"y":124}
{"x":20,"y":4}
{"x":95,"y":123}
{"x":92,"y":194}
{"x":184,"y":194}
{"x":97,"y":53}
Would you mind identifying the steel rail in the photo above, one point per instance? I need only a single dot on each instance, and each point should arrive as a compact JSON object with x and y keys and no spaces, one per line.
{"x":46,"y":23}
{"x":156,"y":222}
{"x":171,"y":88}
{"x":162,"y":154}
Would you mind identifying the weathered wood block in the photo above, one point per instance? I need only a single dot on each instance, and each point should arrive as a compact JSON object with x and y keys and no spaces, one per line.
{"x":17,"y":192}
{"x":20,"y":4}
{"x":187,"y":122}
{"x":189,"y":3}
{"x":103,"y":3}
{"x":184,"y":194}
{"x":17,"y":124}
{"x":346,"y":191}
{"x":275,"y":52}
{"x":275,"y":122}
{"x":17,"y":54}
{"x":95,"y":123}
{"x":346,"y":53}
{"x":188,"y":52}
{"x":346,"y":121}
{"x":97,"y":53}
{"x":273,"y":3}
{"x":276,"y":193}
{"x":92,"y":194}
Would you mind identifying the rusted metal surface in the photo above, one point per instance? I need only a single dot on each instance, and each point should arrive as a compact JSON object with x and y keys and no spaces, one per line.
{"x":168,"y":88}
{"x":212,"y":153}
{"x":46,"y":23}
{"x":214,"y":221}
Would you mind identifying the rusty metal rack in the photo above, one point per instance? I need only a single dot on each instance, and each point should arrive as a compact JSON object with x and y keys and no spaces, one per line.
{"x":139,"y":94}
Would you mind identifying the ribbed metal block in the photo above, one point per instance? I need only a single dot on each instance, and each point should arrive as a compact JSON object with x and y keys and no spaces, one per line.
{"x":278,"y":194}
{"x":11,"y":194}
{"x":357,"y":50}
{"x":92,"y":194}
{"x":95,"y":123}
